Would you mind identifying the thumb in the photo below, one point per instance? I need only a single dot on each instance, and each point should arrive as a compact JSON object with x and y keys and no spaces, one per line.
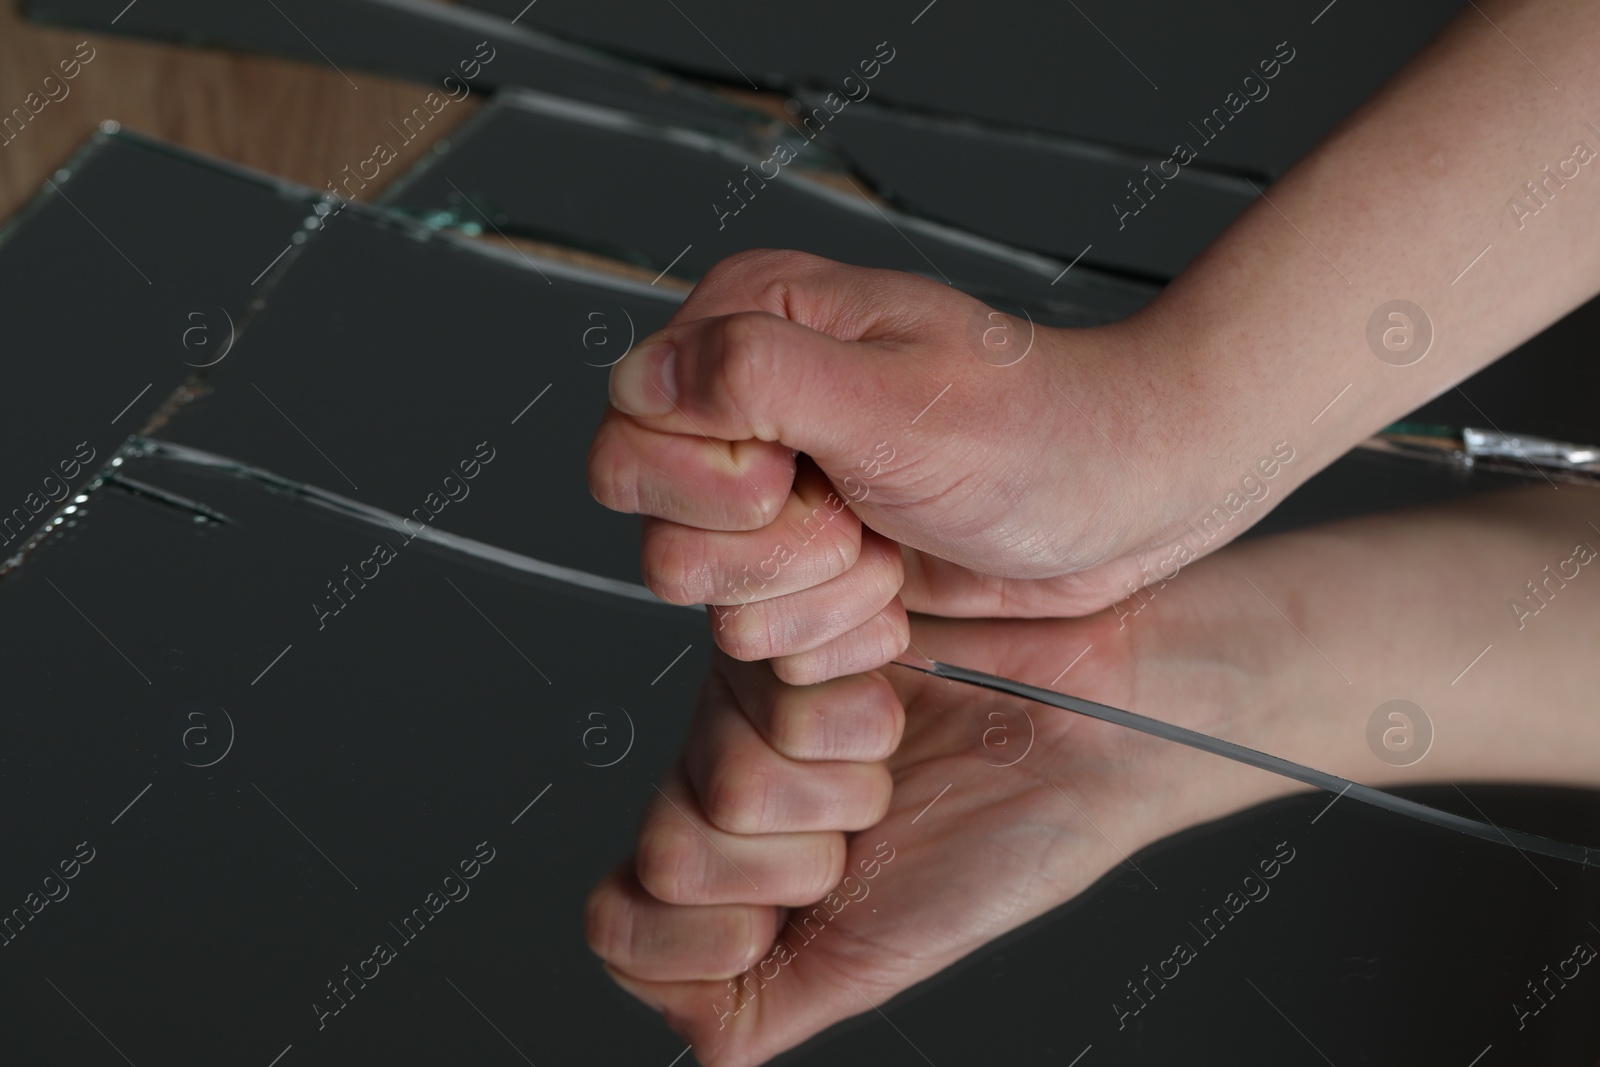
{"x":755,"y":375}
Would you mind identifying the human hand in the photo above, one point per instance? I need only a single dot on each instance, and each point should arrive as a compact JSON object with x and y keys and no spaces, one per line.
{"x":784,"y":782}
{"x":785,"y":852}
{"x":1045,"y":486}
{"x":1058,"y":484}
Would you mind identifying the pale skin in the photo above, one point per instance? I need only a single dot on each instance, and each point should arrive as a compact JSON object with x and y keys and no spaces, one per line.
{"x":1054,"y":487}
{"x":780,"y":778}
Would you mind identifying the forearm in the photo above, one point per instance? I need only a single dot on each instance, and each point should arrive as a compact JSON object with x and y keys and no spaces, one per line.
{"x":1269,"y":326}
{"x":1314,"y":637}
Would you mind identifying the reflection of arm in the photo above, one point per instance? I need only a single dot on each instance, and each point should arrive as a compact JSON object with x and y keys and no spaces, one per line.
{"x":1404,"y":606}
{"x":1395,"y":204}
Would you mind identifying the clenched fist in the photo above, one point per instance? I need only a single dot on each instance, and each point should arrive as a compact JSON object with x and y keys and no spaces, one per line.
{"x":818,"y":446}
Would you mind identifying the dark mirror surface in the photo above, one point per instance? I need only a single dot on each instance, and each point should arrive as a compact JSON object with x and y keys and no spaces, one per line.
{"x":347,"y":724}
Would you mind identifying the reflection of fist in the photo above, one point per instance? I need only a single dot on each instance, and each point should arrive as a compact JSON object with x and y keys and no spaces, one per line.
{"x":820,"y":848}
{"x":749,"y":861}
{"x":1018,"y":486}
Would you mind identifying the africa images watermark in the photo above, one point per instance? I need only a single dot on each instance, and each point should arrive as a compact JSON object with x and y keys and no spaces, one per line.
{"x":385,"y":552}
{"x":55,"y":90}
{"x":1399,"y":733}
{"x":1552,"y":983}
{"x":410,"y":129}
{"x":1542,"y":591}
{"x":748,"y":586}
{"x":1200,"y":533}
{"x":53,"y":490}
{"x":453,"y":889}
{"x":596,"y":737}
{"x":53,"y":889}
{"x":1254,"y":890}
{"x":1183,"y":153}
{"x":851,"y":890}
{"x":1399,"y":333}
{"x":1539,"y":193}
{"x":811,"y":125}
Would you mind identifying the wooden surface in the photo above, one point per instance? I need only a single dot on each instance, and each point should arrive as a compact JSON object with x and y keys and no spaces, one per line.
{"x":302,"y":121}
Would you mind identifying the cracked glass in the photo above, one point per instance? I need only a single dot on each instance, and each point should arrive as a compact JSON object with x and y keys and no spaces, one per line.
{"x":336,"y":691}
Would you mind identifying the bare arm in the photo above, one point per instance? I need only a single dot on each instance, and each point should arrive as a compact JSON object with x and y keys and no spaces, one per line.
{"x":1057,"y":484}
{"x":798,"y":786}
{"x":1471,"y":150}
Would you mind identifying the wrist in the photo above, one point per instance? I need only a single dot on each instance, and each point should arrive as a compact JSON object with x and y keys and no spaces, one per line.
{"x":1239,"y":401}
{"x":1212,"y":659}
{"x":1216,"y":426}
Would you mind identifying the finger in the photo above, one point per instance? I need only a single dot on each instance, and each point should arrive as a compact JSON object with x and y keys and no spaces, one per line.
{"x":746,"y":787}
{"x":856,"y":717}
{"x":794,"y":990}
{"x":635,"y":932}
{"x":746,"y":1021}
{"x":683,"y":859}
{"x":757,"y":375}
{"x":713,"y":485}
{"x":806,"y":620}
{"x":867,"y":647}
{"x":814,"y":537}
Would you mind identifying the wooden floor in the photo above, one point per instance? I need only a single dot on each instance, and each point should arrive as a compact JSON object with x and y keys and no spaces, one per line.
{"x":302,"y":121}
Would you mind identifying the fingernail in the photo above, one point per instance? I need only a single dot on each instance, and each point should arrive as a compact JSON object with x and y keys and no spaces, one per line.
{"x":634,"y":988}
{"x":647,"y":384}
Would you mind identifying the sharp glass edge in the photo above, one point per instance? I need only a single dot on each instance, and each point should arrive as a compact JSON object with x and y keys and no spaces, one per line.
{"x":599,"y":62}
{"x":1468,"y":448}
{"x":600,"y":59}
{"x":804,"y":181}
{"x":44,"y":194}
{"x":366,"y":513}
{"x":375,"y":214}
{"x":146,"y":491}
{"x":1075,"y":146}
{"x":1538,"y":451}
{"x":111,"y":133}
{"x":1523,"y":842}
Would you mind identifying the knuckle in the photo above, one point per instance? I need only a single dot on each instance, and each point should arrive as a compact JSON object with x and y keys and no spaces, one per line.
{"x":867,"y":647}
{"x":668,"y":863}
{"x":785,"y":267}
{"x":828,"y":869}
{"x":767,"y":506}
{"x":754,"y":272}
{"x":744,"y":634}
{"x":749,"y":362}
{"x":739,"y":266}
{"x":674,"y":565}
{"x":799,"y":725}
{"x":878,"y":791}
{"x":838,"y":553}
{"x":887,"y":568}
{"x":738,"y":796}
{"x":792,"y":261}
{"x":861,"y":723}
{"x":608,"y":924}
{"x":826,"y":540}
{"x":767,"y":265}
{"x":750,"y":937}
{"x":613,"y":478}
{"x":894,"y":637}
{"x":764,"y":508}
{"x":884,"y":719}
{"x":807,"y":668}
